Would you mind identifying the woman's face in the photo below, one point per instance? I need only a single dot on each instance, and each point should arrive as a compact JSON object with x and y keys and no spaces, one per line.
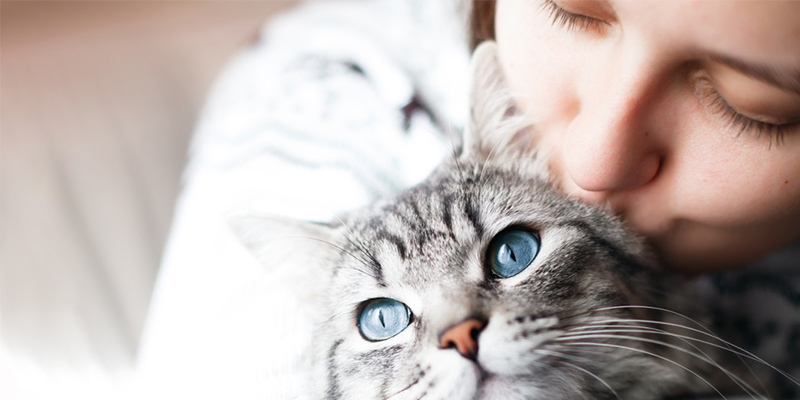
{"x":683,"y":116}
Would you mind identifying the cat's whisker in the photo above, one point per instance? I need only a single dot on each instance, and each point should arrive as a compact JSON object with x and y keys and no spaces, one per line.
{"x":638,"y":321}
{"x":644,"y":326}
{"x":726,"y":345}
{"x":580,"y":312}
{"x":570,"y":357}
{"x":659,"y":309}
{"x":554,"y":353}
{"x":622,"y":347}
{"x":401,"y":391}
{"x":406,"y":391}
{"x":614,"y":329}
{"x":704,"y":330}
{"x":701,"y":355}
{"x":642,"y":329}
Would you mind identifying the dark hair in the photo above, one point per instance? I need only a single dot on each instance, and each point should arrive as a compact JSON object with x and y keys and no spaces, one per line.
{"x":481,"y":21}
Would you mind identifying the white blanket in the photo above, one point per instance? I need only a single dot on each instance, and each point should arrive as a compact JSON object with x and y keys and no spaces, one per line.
{"x":338,"y":103}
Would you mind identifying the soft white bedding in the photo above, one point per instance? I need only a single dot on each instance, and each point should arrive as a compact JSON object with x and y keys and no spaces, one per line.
{"x":307,"y":123}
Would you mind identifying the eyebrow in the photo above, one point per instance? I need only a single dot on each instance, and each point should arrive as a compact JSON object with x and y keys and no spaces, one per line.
{"x":781,"y":77}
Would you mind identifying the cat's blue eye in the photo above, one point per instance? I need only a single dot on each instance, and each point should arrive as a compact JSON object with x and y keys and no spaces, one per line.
{"x":511,"y":251}
{"x":381,"y":319}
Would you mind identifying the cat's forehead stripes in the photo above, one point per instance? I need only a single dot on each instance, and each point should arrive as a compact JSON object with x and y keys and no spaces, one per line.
{"x":413,"y":221}
{"x":437,"y":230}
{"x":433,"y":222}
{"x":365,"y":262}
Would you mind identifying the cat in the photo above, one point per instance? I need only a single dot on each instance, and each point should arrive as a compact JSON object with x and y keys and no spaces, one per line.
{"x":485,"y":282}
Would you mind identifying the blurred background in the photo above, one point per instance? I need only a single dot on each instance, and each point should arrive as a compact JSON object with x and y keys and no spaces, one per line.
{"x":97,"y":104}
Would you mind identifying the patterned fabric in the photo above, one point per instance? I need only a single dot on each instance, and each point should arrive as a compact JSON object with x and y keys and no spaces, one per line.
{"x":758,"y":309}
{"x":340,"y":103}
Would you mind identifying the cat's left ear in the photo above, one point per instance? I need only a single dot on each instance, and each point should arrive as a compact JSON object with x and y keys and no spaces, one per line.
{"x":296,"y":252}
{"x":497,"y":128}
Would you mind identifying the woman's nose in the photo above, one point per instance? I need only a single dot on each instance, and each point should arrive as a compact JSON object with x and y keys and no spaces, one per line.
{"x":611,"y":144}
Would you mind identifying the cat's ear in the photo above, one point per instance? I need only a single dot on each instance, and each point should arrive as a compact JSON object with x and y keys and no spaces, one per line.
{"x":497,"y":129}
{"x":289,"y":249}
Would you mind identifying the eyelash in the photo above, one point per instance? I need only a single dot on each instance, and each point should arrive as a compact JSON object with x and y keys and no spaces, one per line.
{"x":571,"y":21}
{"x":743,"y":123}
{"x":565,"y":19}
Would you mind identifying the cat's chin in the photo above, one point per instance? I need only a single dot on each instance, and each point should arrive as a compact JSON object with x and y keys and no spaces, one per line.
{"x":490,"y":386}
{"x":470,"y":381}
{"x":484,"y":379}
{"x":494,"y":387}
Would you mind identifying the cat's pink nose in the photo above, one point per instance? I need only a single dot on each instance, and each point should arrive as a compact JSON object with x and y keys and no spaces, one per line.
{"x":464,"y":337}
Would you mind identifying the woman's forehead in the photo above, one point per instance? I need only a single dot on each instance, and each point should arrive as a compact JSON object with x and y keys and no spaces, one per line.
{"x":757,"y":30}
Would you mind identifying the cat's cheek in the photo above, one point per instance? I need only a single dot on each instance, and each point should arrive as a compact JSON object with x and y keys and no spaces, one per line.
{"x":511,"y":348}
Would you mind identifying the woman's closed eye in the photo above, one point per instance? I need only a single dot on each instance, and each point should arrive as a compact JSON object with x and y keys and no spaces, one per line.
{"x":755,"y":114}
{"x":746,"y":124}
{"x":571,"y":20}
{"x":773,"y":127}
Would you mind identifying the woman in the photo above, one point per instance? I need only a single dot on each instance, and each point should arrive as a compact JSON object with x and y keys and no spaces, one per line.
{"x":682,"y":116}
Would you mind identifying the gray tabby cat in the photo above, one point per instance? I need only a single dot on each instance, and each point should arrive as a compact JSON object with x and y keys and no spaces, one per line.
{"x":483,"y":282}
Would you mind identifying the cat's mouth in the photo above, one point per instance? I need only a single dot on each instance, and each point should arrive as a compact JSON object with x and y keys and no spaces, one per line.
{"x":484,"y":375}
{"x":486,"y":379}
{"x":489,"y":385}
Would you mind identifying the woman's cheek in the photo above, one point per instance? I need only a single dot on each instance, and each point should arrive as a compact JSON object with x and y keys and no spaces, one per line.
{"x":728,"y":178}
{"x":537,"y":58}
{"x":730,"y":187}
